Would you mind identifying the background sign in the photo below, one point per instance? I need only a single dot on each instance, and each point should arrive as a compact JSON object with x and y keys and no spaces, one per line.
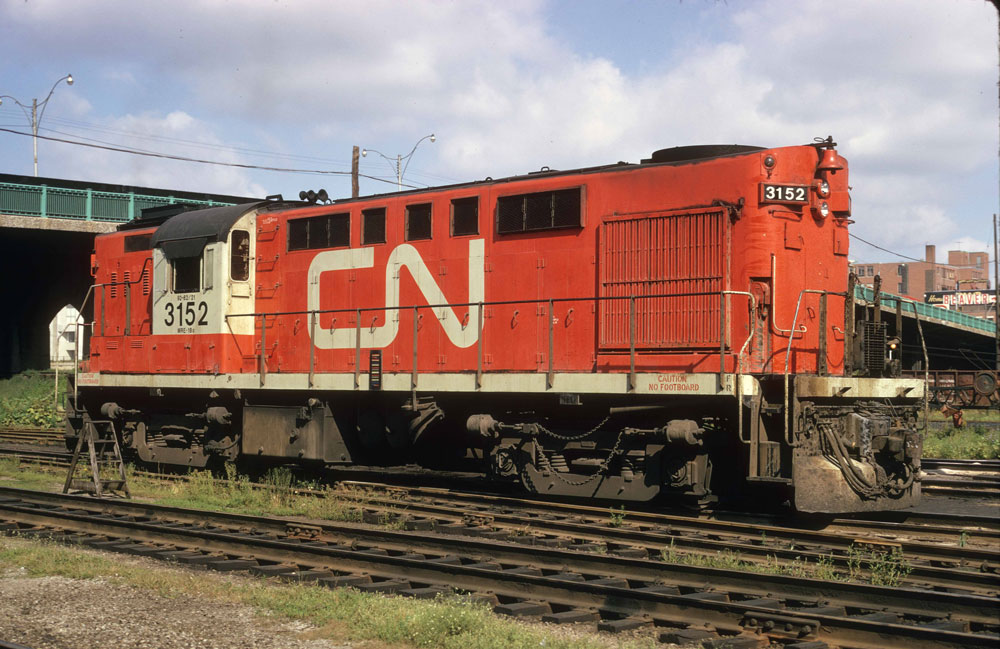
{"x":954,"y":299}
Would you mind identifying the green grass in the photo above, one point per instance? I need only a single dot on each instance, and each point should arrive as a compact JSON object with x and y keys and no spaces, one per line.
{"x":14,"y":474}
{"x":969,"y":443}
{"x":27,"y":400}
{"x":342,"y":615}
{"x":865,"y":564}
{"x":237,"y":494}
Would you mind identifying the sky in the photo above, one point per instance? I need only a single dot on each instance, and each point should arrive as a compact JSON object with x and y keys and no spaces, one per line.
{"x":908,"y":89}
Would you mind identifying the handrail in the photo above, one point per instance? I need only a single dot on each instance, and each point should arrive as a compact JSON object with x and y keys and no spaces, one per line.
{"x":83,"y":204}
{"x":927,"y":367}
{"x":788,"y":350}
{"x":550,"y":310}
{"x":791,"y":331}
{"x":739,"y":363}
{"x":83,"y":305}
{"x":76,"y":345}
{"x":402,"y":307}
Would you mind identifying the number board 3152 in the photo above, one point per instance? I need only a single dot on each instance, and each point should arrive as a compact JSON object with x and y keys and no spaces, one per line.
{"x":784,"y":193}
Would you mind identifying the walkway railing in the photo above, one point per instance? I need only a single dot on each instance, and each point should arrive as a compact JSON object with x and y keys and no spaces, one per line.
{"x":83,"y":204}
{"x":927,"y":311}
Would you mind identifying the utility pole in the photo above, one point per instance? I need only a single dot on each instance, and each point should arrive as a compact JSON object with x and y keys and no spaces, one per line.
{"x":996,"y":294}
{"x":355,"y":157}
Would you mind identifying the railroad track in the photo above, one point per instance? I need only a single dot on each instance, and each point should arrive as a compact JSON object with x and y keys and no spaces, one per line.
{"x":962,"y":478}
{"x":560,"y":584}
{"x":37,"y":436}
{"x":944,"y":563}
{"x":934,"y":553}
{"x":935,"y":527}
{"x":37,"y":454}
{"x":931,"y":527}
{"x":972,"y":466}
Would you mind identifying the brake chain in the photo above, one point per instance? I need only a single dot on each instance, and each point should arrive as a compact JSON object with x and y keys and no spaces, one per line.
{"x":572,"y":438}
{"x":601,"y":471}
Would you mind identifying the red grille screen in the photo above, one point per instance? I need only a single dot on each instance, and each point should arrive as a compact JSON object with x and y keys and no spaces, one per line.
{"x":663,"y":254}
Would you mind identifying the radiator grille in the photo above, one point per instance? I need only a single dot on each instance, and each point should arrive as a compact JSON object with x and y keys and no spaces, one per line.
{"x":666,"y":254}
{"x":874,"y":347}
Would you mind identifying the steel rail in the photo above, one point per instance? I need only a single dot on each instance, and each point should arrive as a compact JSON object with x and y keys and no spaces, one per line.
{"x":941,"y":525}
{"x":37,"y":435}
{"x":975,"y":574}
{"x":351,"y":531}
{"x":970,"y":482}
{"x":689,"y":532}
{"x":977,"y":466}
{"x":676,"y":522}
{"x":610,"y":595}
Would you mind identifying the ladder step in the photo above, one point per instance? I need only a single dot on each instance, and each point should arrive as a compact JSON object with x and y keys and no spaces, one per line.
{"x":102,"y":456}
{"x":82,"y":485}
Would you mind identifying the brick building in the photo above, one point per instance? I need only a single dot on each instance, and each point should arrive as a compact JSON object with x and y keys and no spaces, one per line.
{"x":965,"y":271}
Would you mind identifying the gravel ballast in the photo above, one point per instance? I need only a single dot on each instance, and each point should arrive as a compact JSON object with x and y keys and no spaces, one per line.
{"x":61,"y":613}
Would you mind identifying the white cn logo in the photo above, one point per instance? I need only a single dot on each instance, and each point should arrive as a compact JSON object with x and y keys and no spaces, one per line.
{"x":461,"y":334}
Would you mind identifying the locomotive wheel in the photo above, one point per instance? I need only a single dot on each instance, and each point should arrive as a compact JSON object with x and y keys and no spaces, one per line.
{"x":985,"y":383}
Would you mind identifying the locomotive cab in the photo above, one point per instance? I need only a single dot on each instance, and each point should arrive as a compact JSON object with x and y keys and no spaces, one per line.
{"x":203,"y":269}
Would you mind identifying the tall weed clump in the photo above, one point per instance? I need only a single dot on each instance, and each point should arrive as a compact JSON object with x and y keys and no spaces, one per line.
{"x":28,"y":400}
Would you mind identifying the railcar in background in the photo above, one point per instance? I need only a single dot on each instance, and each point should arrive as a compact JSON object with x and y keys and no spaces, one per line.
{"x":679,"y":327}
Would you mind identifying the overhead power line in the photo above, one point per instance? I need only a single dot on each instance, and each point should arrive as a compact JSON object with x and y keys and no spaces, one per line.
{"x":168,"y":156}
{"x":899,"y":254}
{"x":135,"y":135}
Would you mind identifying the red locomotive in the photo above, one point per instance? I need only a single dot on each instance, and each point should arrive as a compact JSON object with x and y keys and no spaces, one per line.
{"x":680,"y":326}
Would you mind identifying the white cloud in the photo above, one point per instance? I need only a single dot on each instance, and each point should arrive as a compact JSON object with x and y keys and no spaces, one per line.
{"x":969,"y":244}
{"x":162,"y":134}
{"x":906,"y":86}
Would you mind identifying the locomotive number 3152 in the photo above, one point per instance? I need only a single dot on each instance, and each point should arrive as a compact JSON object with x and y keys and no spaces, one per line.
{"x":186,"y":314}
{"x":784,"y":193}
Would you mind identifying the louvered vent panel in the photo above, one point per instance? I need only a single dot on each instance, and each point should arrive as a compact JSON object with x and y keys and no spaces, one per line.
{"x":875,"y":335}
{"x":666,"y":254}
{"x":146,"y":287}
{"x":114,"y":284}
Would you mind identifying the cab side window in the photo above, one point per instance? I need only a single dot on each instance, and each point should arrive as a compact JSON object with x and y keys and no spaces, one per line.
{"x":239,"y":262}
{"x":187,"y":273}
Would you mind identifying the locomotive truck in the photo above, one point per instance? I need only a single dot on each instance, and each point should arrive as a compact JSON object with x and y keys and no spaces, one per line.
{"x":680,"y":327}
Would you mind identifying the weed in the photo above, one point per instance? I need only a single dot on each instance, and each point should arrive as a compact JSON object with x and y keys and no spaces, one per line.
{"x":669,"y":554}
{"x":28,"y":399}
{"x":971,"y":443}
{"x":865,"y":564}
{"x":963,"y":539}
{"x":884,"y":567}
{"x":617,"y":516}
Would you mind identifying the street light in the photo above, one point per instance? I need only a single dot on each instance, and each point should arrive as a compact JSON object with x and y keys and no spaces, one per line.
{"x":400,"y":170}
{"x":35,"y":116}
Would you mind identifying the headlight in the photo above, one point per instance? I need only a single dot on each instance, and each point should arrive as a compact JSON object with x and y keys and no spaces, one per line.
{"x":824,"y":209}
{"x":823,"y":188}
